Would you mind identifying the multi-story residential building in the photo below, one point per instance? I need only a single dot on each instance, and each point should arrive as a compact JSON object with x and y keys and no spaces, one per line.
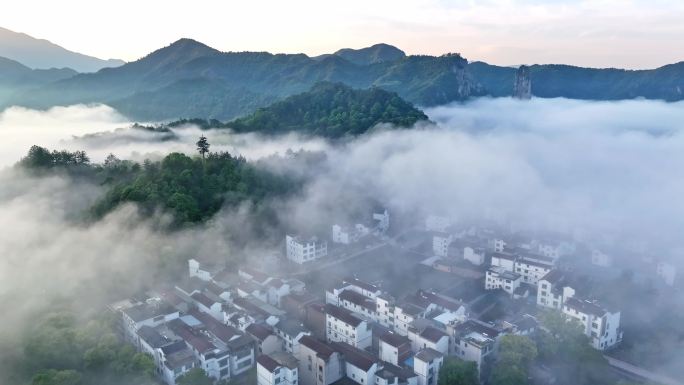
{"x":266,"y":340}
{"x":394,"y":348}
{"x":600,"y":325}
{"x":359,"y":365}
{"x":474,"y":341}
{"x":290,"y":331}
{"x":497,"y":277}
{"x":318,"y":363}
{"x":343,"y":326}
{"x":176,"y":360}
{"x":475,"y":255}
{"x":440,"y":244}
{"x":152,"y":313}
{"x":554,"y":289}
{"x":395,"y":375}
{"x":203,"y":270}
{"x":301,"y":250}
{"x":422,"y":337}
{"x":278,"y":368}
{"x":426,"y":364}
{"x":347,"y":234}
{"x":382,"y":220}
{"x":531,"y":267}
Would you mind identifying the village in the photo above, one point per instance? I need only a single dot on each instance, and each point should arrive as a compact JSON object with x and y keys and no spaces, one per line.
{"x":370,"y":305}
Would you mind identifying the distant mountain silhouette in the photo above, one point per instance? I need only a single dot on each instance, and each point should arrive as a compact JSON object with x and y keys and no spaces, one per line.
{"x":189,"y":79}
{"x":43,"y":54}
{"x":377,"y":53}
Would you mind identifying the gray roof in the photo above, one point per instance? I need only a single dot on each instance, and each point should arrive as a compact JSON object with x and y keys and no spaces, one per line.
{"x":428,"y":354}
{"x":152,"y":337}
{"x":146,"y":311}
{"x":291,"y":326}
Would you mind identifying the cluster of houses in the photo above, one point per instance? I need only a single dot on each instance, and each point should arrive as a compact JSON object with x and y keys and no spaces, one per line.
{"x":523,"y":268}
{"x":230,"y":322}
{"x":302,"y":250}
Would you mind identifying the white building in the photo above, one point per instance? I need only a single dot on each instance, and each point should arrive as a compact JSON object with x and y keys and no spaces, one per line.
{"x":341,"y":325}
{"x":394,"y":348}
{"x":204,"y":271}
{"x":277,"y":369}
{"x":599,"y":258}
{"x":302,"y":251}
{"x":359,"y":365}
{"x":440,"y":244}
{"x":476,"y":256}
{"x":319,"y":364}
{"x":475,"y":341}
{"x":347,"y":235}
{"x":152,"y":314}
{"x":290,"y":331}
{"x":600,"y":325}
{"x":428,"y":337}
{"x":553,"y":290}
{"x":383,"y":221}
{"x":531,"y":267}
{"x":499,"y":278}
{"x":426,"y":364}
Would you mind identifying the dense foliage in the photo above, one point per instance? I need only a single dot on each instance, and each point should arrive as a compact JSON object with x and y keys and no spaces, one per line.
{"x":516,"y":353}
{"x":192,"y":189}
{"x":331,"y":110}
{"x":61,"y":350}
{"x":455,"y":371}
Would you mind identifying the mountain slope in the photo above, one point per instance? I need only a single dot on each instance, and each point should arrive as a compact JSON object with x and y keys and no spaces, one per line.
{"x":16,"y":77}
{"x":43,"y":54}
{"x":331,"y":110}
{"x":377,"y":53}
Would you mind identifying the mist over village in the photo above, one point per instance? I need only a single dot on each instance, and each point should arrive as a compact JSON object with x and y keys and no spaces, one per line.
{"x":359,"y":213}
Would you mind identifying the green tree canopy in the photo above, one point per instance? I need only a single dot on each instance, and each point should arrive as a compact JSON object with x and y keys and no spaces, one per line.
{"x":195,"y":376}
{"x":455,"y":371}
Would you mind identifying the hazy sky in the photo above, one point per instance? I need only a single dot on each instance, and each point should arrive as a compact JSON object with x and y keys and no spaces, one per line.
{"x":601,"y":33}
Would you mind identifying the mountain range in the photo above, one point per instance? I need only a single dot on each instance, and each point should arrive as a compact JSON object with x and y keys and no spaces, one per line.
{"x":43,"y":54}
{"x":190,"y":79}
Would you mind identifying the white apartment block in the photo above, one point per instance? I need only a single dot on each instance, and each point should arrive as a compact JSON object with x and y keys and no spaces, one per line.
{"x":319,"y":364}
{"x":474,"y":341}
{"x":440,"y":244}
{"x":531,"y":267}
{"x":497,"y":277}
{"x":347,"y":235}
{"x":302,"y":251}
{"x":277,"y":369}
{"x":341,"y":325}
{"x":553,"y":290}
{"x":599,"y":324}
{"x":476,"y":256}
{"x":426,"y":364}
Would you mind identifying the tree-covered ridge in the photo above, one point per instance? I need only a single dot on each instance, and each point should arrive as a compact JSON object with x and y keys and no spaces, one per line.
{"x":193,"y":189}
{"x":331,"y":110}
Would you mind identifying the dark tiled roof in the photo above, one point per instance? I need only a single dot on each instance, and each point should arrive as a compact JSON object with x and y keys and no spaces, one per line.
{"x":428,"y":354}
{"x":257,"y":276}
{"x":198,"y":341}
{"x":357,"y":357}
{"x":586,"y":307}
{"x":203,"y":299}
{"x":152,"y":337}
{"x":146,"y":311}
{"x":223,"y":332}
{"x":478,"y":327}
{"x":358,"y":299}
{"x":258,"y":331}
{"x":174,"y":347}
{"x":433,"y":334}
{"x":343,"y":315}
{"x":291,"y":326}
{"x":361,"y":284}
{"x":394,"y":339}
{"x":322,"y":350}
{"x":441,"y":300}
{"x":267,"y":362}
{"x":554,"y":276}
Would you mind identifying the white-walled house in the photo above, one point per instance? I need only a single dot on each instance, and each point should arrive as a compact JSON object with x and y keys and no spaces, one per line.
{"x":204,"y":271}
{"x":497,"y":277}
{"x":277,"y":369}
{"x":426,"y":364}
{"x":301,"y":250}
{"x":341,"y":325}
{"x":474,"y":341}
{"x":266,"y":340}
{"x":428,"y":337}
{"x":476,"y":256}
{"x":347,"y":234}
{"x":153,"y":313}
{"x":600,"y":325}
{"x":553,"y":290}
{"x":359,"y":365}
{"x":393,"y":348}
{"x":319,"y":364}
{"x":440,"y":244}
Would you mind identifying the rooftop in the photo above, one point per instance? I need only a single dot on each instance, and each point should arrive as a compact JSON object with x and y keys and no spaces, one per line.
{"x":291,"y":326}
{"x":355,"y":356}
{"x":433,"y":334}
{"x":343,"y":315}
{"x":322,"y":350}
{"x":146,"y":311}
{"x":259,"y":331}
{"x":427,"y":355}
{"x":394,"y":339}
{"x":586,"y":307}
{"x":358,"y":299}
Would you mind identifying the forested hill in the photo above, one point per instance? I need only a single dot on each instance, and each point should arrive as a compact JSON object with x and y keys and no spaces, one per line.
{"x":331,"y":110}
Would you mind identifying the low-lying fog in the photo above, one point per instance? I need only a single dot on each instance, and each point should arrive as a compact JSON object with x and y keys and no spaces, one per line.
{"x":595,"y":169}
